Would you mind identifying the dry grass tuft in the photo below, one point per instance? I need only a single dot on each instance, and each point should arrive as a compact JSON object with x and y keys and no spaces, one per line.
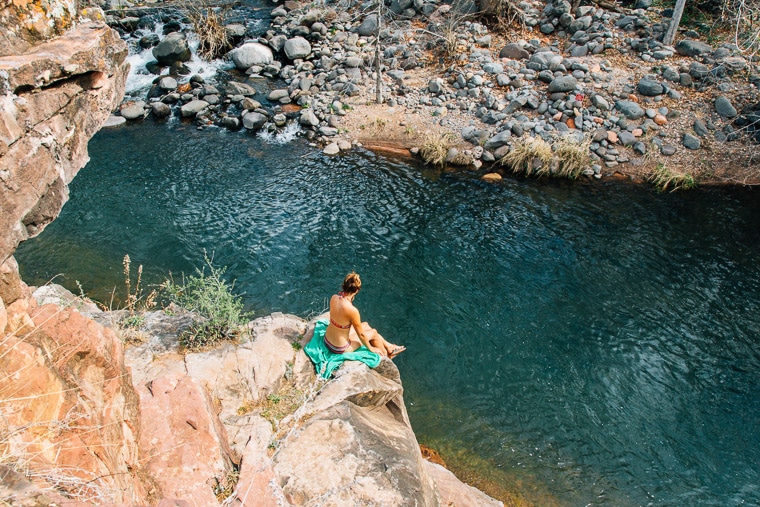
{"x":208,"y":24}
{"x":664,"y":178}
{"x":529,"y":155}
{"x":435,"y":146}
{"x":573,"y":157}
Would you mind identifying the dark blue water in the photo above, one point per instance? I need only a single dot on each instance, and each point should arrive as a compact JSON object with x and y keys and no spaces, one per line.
{"x":578,"y":344}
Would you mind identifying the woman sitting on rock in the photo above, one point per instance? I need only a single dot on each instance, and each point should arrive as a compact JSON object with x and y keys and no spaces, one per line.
{"x":346,"y":331}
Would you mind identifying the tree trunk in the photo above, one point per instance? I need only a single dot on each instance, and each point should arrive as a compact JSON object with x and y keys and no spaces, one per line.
{"x":670,"y":35}
{"x":379,"y":80}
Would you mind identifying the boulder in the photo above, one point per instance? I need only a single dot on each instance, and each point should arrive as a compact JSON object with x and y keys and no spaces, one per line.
{"x":192,"y":108}
{"x":435,"y":86}
{"x":253,"y":120}
{"x":650,"y":88}
{"x":183,"y":444}
{"x":724,"y":107}
{"x":368,"y":27}
{"x":629,"y":109}
{"x":67,"y":376}
{"x":167,"y":84}
{"x":514,"y":51}
{"x":297,"y":48}
{"x":278,"y":94}
{"x":308,"y":118}
{"x":277,"y":42}
{"x":172,"y":49}
{"x":626,"y":138}
{"x":235,"y":88}
{"x":562,"y":84}
{"x":331,"y":149}
{"x":691,"y":142}
{"x":690,"y":47}
{"x":600,"y":102}
{"x":133,"y":110}
{"x":46,"y":135}
{"x":160,"y":110}
{"x":497,"y":141}
{"x":250,"y":54}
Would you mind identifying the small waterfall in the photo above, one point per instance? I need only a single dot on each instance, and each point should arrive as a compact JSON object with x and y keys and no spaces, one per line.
{"x":140,"y":78}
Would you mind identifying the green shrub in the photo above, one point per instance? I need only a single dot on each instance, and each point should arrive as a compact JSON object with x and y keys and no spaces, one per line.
{"x":207,"y":294}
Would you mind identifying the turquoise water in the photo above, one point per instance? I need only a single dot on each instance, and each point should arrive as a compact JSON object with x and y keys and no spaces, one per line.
{"x":583,"y":344}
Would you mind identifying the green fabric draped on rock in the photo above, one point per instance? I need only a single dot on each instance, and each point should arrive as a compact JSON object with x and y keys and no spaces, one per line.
{"x":326,"y":362}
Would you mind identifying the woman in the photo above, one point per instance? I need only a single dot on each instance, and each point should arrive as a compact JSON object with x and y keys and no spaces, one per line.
{"x":346,"y":331}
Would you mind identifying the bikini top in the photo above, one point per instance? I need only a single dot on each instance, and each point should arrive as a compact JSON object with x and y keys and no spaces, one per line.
{"x":338,"y":325}
{"x":340,"y":295}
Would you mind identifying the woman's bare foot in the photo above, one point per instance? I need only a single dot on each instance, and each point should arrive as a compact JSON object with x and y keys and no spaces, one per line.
{"x":395,"y":350}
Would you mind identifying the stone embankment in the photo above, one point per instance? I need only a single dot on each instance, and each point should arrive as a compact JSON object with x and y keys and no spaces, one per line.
{"x":588,"y":74}
{"x":244,"y":423}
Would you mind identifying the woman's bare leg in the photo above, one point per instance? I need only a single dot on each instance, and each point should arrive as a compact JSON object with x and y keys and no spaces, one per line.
{"x":377,"y":340}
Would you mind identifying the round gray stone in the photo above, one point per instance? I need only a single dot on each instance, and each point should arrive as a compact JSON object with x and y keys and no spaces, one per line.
{"x":250,"y":54}
{"x":514,"y":51}
{"x":724,"y":107}
{"x":172,"y":49}
{"x":629,"y":109}
{"x":134,"y":110}
{"x":192,"y":108}
{"x":650,"y":88}
{"x":691,"y":142}
{"x":690,"y":47}
{"x":368,"y":26}
{"x":562,"y":84}
{"x":253,"y":120}
{"x":297,"y":48}
{"x":160,"y":110}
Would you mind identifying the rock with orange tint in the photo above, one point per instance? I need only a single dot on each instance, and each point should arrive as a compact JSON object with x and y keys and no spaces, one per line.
{"x":570,"y":123}
{"x":452,"y":491}
{"x":183,"y":444}
{"x":3,"y":317}
{"x":612,"y":137}
{"x":68,"y":403}
{"x":660,"y":119}
{"x":257,"y":485}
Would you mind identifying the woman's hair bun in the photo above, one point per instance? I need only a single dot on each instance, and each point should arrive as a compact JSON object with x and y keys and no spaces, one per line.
{"x":352,"y":283}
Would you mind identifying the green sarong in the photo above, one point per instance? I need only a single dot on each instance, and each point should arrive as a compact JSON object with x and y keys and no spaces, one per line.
{"x":326,"y":362}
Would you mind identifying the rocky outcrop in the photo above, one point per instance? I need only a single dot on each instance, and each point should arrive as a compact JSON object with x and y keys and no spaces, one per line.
{"x":53,"y":98}
{"x":292,"y":436}
{"x":69,"y":413}
{"x":246,"y":423}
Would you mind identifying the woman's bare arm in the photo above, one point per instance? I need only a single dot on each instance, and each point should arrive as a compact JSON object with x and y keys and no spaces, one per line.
{"x":356,"y":322}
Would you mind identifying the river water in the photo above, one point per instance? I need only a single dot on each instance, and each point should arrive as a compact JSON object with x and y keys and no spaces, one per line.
{"x":579,"y":344}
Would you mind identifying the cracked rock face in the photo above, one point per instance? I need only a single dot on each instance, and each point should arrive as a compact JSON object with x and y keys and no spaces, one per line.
{"x":53,"y":98}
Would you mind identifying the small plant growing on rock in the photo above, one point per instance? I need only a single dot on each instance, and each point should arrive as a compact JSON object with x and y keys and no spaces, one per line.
{"x":207,"y":294}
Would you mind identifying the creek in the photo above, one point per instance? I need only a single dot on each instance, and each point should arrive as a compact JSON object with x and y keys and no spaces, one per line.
{"x":581,"y":344}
